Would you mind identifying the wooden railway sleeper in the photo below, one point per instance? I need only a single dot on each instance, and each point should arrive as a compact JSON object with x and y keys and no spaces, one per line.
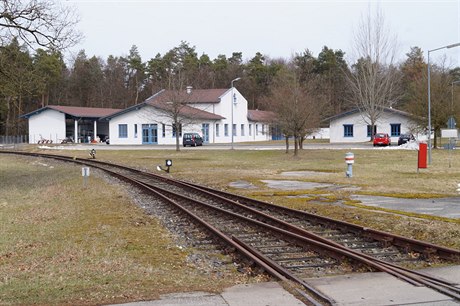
{"x":426,"y":279}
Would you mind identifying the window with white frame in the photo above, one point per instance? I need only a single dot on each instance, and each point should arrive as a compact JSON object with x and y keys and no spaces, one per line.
{"x":242,"y":130}
{"x":250,"y":129}
{"x":257,"y":130}
{"x":395,"y":129}
{"x":348,"y":130}
{"x":226,"y":129}
{"x":217,"y":130}
{"x":122,"y":131}
{"x":369,"y":128}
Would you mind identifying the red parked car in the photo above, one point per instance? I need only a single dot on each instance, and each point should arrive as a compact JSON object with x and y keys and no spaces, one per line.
{"x":382,"y":139}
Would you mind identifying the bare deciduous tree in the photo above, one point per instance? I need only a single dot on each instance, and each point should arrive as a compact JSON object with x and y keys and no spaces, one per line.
{"x":38,"y":22}
{"x":174,"y":105}
{"x":374,"y":81}
{"x":296,"y":105}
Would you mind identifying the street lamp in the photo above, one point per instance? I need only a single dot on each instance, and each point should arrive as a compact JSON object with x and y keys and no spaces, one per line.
{"x":452,"y":103}
{"x":429,"y":97}
{"x":233,"y":102}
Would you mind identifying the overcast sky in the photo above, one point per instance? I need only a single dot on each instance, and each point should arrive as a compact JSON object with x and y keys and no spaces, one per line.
{"x":274,"y":28}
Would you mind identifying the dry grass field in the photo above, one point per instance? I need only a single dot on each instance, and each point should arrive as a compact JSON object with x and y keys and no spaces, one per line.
{"x":63,"y":244}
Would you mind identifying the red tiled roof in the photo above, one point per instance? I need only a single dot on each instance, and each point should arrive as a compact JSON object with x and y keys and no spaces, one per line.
{"x":76,"y":111}
{"x":196,"y":96}
{"x":261,"y":116}
{"x":84,"y":111}
{"x":186,"y":111}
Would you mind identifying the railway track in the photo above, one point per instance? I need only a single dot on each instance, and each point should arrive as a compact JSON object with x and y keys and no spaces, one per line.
{"x":287,"y":243}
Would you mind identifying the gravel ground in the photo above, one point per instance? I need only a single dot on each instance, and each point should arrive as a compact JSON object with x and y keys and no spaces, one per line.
{"x":204,"y":252}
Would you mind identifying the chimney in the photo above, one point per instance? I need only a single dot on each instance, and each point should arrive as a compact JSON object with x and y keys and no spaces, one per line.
{"x":189,"y":89}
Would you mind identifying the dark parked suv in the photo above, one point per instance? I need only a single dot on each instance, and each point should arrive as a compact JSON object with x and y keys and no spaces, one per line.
{"x":403,"y":138}
{"x":192,"y":139}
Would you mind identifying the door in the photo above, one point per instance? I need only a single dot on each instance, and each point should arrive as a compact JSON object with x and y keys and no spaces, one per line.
{"x":205,"y":132}
{"x":149,"y":134}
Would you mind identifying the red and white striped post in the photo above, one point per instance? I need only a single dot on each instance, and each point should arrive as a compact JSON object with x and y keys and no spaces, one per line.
{"x":349,"y":160}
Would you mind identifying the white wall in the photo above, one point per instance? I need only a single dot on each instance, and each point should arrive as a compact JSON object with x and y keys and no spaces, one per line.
{"x":360,"y":127}
{"x":240,"y":116}
{"x":49,"y":124}
{"x":150,"y":115}
{"x":321,"y":133}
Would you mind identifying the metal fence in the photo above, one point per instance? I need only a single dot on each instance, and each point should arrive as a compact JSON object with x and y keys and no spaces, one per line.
{"x":5,"y":140}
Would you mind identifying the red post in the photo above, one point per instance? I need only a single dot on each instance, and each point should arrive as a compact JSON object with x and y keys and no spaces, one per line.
{"x":422,"y":149}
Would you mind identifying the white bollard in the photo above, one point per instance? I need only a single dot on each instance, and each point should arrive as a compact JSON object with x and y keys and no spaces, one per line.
{"x":349,"y":160}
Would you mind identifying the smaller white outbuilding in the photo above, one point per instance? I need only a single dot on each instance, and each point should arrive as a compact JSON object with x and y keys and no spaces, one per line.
{"x":354,"y":126}
{"x":55,"y":123}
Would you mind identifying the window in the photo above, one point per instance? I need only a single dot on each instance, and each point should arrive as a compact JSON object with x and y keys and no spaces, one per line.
{"x":163,"y":130}
{"x":257,"y":130}
{"x":395,"y":129}
{"x":174,"y":131}
{"x":217,"y":130}
{"x":226,"y":129}
{"x":348,"y":130}
{"x":250,"y":129}
{"x":263,"y":129}
{"x":369,"y":134}
{"x":234,"y":129}
{"x":242,"y":130}
{"x":135,"y":131}
{"x":122,"y":131}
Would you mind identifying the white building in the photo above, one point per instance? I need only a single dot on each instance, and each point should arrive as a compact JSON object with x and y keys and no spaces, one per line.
{"x":353,"y":126}
{"x":55,"y":123}
{"x":209,"y":112}
{"x":213,"y":113}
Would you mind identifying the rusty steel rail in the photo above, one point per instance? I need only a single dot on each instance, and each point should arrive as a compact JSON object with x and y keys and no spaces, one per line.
{"x":294,"y":232}
{"x":413,"y":244}
{"x":319,"y":244}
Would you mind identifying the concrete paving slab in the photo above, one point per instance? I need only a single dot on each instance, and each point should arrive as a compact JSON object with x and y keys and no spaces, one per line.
{"x":259,"y":294}
{"x":303,"y":173}
{"x":293,"y":185}
{"x":383,"y":289}
{"x":183,"y":299}
{"x":242,"y":185}
{"x":443,"y":207}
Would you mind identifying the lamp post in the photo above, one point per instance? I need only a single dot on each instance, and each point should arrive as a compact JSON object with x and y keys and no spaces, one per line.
{"x":233,"y":102}
{"x":429,"y":97}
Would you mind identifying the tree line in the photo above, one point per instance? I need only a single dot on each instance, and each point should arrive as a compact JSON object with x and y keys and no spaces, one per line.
{"x":302,"y":90}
